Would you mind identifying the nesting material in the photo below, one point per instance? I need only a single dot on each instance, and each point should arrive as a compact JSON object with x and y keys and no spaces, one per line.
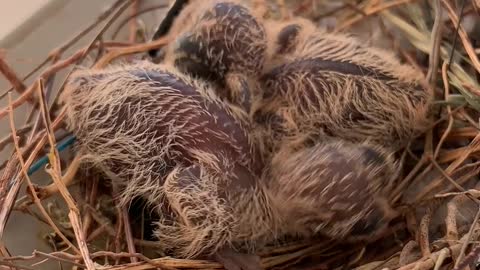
{"x":304,"y":178}
{"x":331,"y":84}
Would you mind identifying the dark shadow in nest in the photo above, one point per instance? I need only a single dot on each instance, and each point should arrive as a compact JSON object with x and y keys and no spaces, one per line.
{"x":141,"y":219}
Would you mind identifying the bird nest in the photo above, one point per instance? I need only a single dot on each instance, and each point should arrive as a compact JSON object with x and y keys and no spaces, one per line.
{"x":439,"y":196}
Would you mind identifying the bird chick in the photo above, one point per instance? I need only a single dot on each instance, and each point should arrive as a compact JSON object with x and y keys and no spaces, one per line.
{"x":327,"y":84}
{"x":283,"y":38}
{"x":158,"y":134}
{"x":334,"y":188}
{"x":222,"y":42}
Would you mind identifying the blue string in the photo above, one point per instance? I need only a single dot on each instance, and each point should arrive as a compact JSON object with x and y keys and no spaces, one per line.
{"x":44,"y":160}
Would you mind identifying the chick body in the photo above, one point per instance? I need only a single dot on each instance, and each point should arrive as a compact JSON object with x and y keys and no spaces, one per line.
{"x":334,"y":188}
{"x":160,"y":135}
{"x":332,"y":85}
{"x":222,"y":42}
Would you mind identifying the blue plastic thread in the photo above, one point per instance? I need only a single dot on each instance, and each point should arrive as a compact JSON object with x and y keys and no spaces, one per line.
{"x":44,"y":160}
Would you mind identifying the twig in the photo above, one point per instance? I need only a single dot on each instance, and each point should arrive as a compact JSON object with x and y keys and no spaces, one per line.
{"x":449,"y":109}
{"x":44,"y":160}
{"x":91,"y":199}
{"x":89,"y":28}
{"x":127,"y":19}
{"x":118,"y":230}
{"x":10,"y":75}
{"x":45,"y":75}
{"x":168,"y":263}
{"x":397,"y":193}
{"x":468,"y":237}
{"x":356,"y":9}
{"x":473,"y":146}
{"x":106,"y":59}
{"x":48,"y":90}
{"x":441,"y":258}
{"x":96,"y":232}
{"x":128,"y":233}
{"x":25,"y":96}
{"x":15,"y":266}
{"x":470,"y":258}
{"x":455,"y":37}
{"x":133,"y":23}
{"x":473,"y":192}
{"x":9,"y":138}
{"x":463,"y":35}
{"x":124,"y":4}
{"x":30,"y":184}
{"x":56,"y":52}
{"x":328,"y":13}
{"x":371,"y":12}
{"x":451,"y":218}
{"x":66,"y":257}
{"x":57,"y":256}
{"x":55,"y":172}
{"x":67,"y":179}
{"x":423,"y":238}
{"x":405,"y":254}
{"x":7,"y":201}
{"x":446,"y":176}
{"x":436,"y":37}
{"x":112,"y":232}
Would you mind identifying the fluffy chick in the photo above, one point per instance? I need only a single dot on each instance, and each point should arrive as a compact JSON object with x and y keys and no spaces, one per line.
{"x":326,"y":84}
{"x":222,"y":42}
{"x":334,"y":188}
{"x":158,"y":134}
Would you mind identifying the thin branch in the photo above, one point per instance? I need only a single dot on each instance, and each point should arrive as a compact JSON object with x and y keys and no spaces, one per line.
{"x":57,"y":52}
{"x":133,"y":23}
{"x":468,"y":238}
{"x":436,"y":37}
{"x":128,"y":233}
{"x":449,"y":110}
{"x":6,"y":201}
{"x":12,"y":77}
{"x":372,"y":11}
{"x":124,"y":5}
{"x":463,"y":35}
{"x":106,"y":59}
{"x":56,"y":173}
{"x":9,"y":138}
{"x":30,"y":184}
{"x":132,"y":16}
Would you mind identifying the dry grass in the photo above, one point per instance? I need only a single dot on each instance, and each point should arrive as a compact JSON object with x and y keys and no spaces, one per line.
{"x":442,"y":172}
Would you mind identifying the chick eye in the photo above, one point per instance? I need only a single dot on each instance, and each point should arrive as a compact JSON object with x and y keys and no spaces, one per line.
{"x":190,"y":57}
{"x":79,"y":81}
{"x":286,"y":37}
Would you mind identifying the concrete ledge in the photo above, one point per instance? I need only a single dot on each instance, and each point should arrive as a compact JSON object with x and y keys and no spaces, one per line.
{"x":19,"y":18}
